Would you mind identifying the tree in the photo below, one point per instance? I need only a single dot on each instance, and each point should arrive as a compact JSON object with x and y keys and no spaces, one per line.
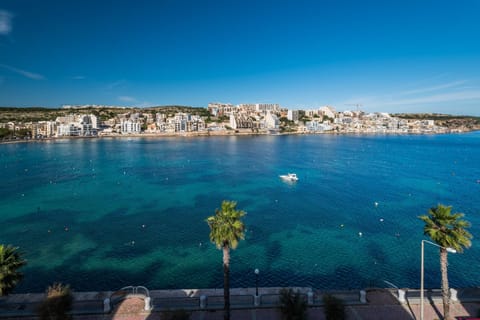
{"x":293,"y":305}
{"x":57,"y":304}
{"x":334,"y":308}
{"x":10,"y":261}
{"x":448,"y":231}
{"x":226,"y":229}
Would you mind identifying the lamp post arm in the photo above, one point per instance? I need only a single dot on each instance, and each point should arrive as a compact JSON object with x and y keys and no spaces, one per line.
{"x":449,"y":249}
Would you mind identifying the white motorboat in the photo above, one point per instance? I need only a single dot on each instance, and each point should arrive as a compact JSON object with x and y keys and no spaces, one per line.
{"x":289,"y":177}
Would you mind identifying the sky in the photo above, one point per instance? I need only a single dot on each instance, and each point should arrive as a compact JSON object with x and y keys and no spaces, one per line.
{"x":385,"y":56}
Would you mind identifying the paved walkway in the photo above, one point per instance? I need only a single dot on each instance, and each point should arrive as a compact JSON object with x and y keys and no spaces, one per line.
{"x":381,"y":304}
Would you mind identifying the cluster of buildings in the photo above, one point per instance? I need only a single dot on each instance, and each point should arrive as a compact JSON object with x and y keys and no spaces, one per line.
{"x":272,"y":117}
{"x":254,"y":118}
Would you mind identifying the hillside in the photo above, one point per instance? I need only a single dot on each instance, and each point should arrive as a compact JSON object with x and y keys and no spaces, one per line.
{"x":103,"y":113}
{"x":457,"y":122}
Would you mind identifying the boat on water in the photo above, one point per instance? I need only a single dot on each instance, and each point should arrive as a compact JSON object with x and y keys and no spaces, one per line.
{"x":289,"y":177}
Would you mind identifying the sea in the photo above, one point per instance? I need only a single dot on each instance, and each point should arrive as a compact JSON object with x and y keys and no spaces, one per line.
{"x":101,"y":214}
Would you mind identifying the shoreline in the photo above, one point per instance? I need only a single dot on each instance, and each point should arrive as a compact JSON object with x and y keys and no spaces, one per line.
{"x":224,"y":134}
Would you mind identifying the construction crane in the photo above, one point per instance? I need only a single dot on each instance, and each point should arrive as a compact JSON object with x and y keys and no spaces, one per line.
{"x":356,"y":105}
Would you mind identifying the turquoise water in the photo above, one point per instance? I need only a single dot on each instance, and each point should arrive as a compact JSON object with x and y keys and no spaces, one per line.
{"x":100,"y":214}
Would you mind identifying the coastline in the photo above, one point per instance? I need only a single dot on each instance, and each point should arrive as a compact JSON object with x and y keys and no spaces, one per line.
{"x":224,"y":133}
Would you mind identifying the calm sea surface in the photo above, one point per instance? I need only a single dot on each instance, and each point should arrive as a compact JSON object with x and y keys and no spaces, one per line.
{"x":104,"y":213}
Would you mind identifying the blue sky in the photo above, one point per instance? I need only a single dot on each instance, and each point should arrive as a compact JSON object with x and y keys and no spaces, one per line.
{"x":389,"y":56}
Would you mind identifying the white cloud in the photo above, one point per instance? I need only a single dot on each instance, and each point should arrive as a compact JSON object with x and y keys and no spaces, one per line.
{"x":115,"y":84}
{"x":26,"y":74}
{"x":438,"y":98}
{"x":434,"y":88}
{"x":429,"y":98}
{"x":5,"y":22}
{"x":127,"y":99}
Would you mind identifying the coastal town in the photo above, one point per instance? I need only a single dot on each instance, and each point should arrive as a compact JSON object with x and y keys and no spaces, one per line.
{"x":216,"y":119}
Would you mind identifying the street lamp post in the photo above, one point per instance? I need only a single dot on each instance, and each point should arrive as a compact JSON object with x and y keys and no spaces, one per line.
{"x":451,"y":250}
{"x":256,"y":281}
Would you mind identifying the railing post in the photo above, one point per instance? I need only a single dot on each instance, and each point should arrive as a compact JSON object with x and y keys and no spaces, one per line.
{"x":148,"y":306}
{"x":203,"y":301}
{"x":363,"y":296}
{"x":256,"y":300}
{"x":106,"y":305}
{"x":310,"y":298}
{"x":453,"y":295}
{"x":401,"y":296}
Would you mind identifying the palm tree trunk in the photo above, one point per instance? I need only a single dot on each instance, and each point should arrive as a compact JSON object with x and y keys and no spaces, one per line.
{"x":445,"y":289}
{"x":226,"y":281}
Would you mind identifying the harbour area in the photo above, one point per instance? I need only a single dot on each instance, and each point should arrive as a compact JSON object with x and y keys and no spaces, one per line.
{"x":138,"y":303}
{"x":26,"y":124}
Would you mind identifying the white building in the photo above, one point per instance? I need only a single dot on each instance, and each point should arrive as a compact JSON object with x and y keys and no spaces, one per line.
{"x":219,"y":109}
{"x":317,"y":126}
{"x":130,"y":126}
{"x":233,"y":121}
{"x":77,"y":125}
{"x":271,"y":121}
{"x":311,"y":113}
{"x":292,"y":115}
{"x":267,"y":107}
{"x":328,"y":111}
{"x":68,"y":130}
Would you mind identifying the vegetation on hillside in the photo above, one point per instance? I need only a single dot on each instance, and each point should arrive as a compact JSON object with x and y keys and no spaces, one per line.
{"x":36,"y":114}
{"x":433,"y":116}
{"x":445,"y":120}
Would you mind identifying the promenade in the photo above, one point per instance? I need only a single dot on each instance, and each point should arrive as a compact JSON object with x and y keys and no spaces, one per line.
{"x":135,"y":303}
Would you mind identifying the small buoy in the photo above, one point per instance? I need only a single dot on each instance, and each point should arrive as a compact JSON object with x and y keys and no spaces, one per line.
{"x":66,"y":228}
{"x":341,"y":226}
{"x":360,"y":234}
{"x":143,"y":226}
{"x":376,"y":204}
{"x":381,"y":219}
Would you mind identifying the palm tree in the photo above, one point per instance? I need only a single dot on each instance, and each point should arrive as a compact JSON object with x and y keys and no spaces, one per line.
{"x":57,"y":304}
{"x":448,"y":231}
{"x":226,"y":229}
{"x":10,"y":260}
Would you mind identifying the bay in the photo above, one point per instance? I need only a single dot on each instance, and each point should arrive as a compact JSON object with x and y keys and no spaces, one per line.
{"x":100,"y":214}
